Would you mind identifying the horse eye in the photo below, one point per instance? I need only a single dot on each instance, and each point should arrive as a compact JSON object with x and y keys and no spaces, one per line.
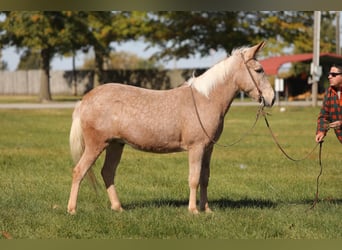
{"x":260,"y":70}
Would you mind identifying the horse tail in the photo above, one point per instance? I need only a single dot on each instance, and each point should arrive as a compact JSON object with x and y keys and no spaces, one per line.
{"x":76,"y":142}
{"x":76,"y":136}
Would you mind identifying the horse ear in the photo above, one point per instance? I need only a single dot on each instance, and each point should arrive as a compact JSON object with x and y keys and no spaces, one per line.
{"x":255,"y":49}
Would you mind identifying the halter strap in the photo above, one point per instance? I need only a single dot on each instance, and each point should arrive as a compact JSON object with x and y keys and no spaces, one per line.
{"x":261,"y":98}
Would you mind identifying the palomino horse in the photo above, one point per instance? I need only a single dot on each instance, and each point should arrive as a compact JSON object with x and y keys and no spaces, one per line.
{"x":187,"y":118}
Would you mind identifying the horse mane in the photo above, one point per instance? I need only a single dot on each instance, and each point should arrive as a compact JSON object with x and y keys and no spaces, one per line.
{"x":217,"y":74}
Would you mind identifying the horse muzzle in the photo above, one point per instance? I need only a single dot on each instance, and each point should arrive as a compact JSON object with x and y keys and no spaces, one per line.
{"x":267,"y":101}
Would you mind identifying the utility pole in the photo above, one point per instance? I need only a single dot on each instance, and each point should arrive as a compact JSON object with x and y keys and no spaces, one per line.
{"x":338,"y":46}
{"x":315,"y":62}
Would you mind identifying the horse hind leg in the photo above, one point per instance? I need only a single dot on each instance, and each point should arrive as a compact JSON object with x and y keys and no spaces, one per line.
{"x":112,"y":160}
{"x":87,"y":160}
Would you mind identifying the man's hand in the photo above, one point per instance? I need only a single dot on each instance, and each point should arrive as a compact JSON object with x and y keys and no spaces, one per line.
{"x":336,"y":124}
{"x":319,"y":136}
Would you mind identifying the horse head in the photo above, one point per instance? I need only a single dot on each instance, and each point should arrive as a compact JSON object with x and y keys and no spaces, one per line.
{"x":253,"y":80}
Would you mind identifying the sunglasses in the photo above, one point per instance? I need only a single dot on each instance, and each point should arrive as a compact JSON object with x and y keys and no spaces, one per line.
{"x":334,"y":74}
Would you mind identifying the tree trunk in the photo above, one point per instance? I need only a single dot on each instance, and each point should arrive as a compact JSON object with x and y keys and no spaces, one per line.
{"x":45,"y":93}
{"x":74,"y":76}
{"x":98,"y":77}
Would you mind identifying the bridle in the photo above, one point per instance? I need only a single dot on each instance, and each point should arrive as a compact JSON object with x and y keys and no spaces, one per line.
{"x":259,"y":112}
{"x":261,"y":98}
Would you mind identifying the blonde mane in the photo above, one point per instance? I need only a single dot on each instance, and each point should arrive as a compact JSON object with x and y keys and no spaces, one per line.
{"x":217,"y":74}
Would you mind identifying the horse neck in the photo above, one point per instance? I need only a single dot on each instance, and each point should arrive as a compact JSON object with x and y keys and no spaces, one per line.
{"x":224,"y":96}
{"x":220,"y":88}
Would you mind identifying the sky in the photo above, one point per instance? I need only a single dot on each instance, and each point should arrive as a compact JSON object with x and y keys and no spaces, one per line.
{"x":11,"y":57}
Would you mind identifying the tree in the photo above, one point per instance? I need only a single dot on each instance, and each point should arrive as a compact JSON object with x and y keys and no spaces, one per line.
{"x":123,"y":60}
{"x":178,"y":34}
{"x":29,"y":60}
{"x":295,"y":28}
{"x":64,"y":32}
{"x":47,"y":33}
{"x":105,"y":27}
{"x":97,"y":29}
{"x":182,"y":34}
{"x":38,"y":32}
{"x":3,"y":65}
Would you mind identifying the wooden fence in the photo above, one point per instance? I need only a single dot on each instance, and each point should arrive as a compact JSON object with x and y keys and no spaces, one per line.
{"x":61,"y":82}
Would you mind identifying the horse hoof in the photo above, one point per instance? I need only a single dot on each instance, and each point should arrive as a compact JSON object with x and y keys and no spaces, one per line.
{"x":118,"y":209}
{"x":208,"y":211}
{"x":72,"y":211}
{"x":193,"y":211}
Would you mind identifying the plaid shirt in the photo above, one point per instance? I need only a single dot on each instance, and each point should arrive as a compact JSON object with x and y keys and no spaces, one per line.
{"x":331,"y":111}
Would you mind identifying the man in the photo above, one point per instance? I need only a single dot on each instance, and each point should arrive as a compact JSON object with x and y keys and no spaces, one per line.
{"x":330,"y":115}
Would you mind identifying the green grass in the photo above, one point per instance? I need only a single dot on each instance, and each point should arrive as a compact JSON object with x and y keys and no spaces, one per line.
{"x":254,"y":191}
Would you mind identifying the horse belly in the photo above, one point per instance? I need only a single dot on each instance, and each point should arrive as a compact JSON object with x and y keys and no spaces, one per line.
{"x":152,"y":139}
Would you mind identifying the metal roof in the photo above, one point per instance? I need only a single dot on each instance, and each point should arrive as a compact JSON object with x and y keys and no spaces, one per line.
{"x":271,"y":65}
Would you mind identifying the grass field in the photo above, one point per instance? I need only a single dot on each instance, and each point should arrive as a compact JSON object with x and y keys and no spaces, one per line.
{"x":254,"y":191}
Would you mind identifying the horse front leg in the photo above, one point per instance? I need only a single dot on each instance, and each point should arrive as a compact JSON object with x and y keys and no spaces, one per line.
{"x":204,"y":181}
{"x":195,"y":165}
{"x":113,"y":156}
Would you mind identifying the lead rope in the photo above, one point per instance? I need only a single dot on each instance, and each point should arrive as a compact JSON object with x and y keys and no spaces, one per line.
{"x":319,"y":175}
{"x":281,"y":149}
{"x":292,"y":159}
{"x":321,"y":170}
